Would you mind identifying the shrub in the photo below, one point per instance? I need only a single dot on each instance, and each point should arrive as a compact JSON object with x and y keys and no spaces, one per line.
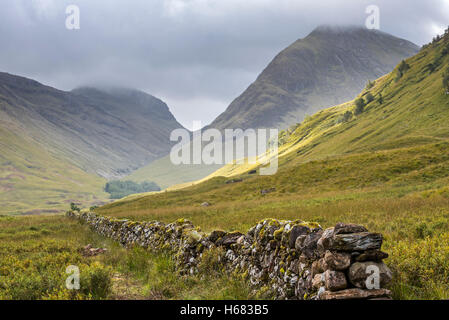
{"x":370,"y":84}
{"x":445,"y":50}
{"x":359,"y":106}
{"x":96,"y":281}
{"x":369,"y":97}
{"x":403,"y":68}
{"x":380,"y":100}
{"x":347,"y":116}
{"x":74,"y":207}
{"x":431,"y":67}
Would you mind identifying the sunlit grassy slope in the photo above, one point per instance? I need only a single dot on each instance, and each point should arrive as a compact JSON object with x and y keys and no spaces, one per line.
{"x":166,"y":174}
{"x":415,"y":111}
{"x":386,"y":168}
{"x":328,"y":67}
{"x":33,"y":181}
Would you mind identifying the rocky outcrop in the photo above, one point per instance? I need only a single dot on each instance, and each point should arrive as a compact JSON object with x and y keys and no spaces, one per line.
{"x":290,"y":259}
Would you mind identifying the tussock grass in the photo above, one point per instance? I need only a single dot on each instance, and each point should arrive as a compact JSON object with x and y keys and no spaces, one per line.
{"x":34,"y":255}
{"x":35,"y":252}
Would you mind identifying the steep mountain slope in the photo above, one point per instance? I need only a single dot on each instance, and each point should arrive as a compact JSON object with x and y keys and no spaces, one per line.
{"x":105,"y":132}
{"x":166,"y":174}
{"x":399,"y":140}
{"x":34,"y":181}
{"x":409,"y":107}
{"x":386,"y":167}
{"x":58,"y":147}
{"x":328,"y":67}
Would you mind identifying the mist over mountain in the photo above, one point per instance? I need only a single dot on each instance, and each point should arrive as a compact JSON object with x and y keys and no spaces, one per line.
{"x":111,"y":132}
{"x":108,"y":132}
{"x":328,"y":67}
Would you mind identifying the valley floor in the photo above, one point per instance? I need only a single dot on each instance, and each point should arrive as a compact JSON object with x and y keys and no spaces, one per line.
{"x":404,"y":195}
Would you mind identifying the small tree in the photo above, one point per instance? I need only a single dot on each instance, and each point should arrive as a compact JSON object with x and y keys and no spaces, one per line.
{"x":403,"y":67}
{"x":380,"y":99}
{"x":369,"y":97}
{"x":359,"y":106}
{"x":445,"y":50}
{"x":347,"y":116}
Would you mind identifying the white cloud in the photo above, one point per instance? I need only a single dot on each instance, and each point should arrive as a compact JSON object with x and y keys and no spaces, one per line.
{"x":195,"y":54}
{"x":437,"y":29}
{"x":45,"y":9}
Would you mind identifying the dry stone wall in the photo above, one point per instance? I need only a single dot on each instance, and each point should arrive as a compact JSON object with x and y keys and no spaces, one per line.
{"x":290,"y":259}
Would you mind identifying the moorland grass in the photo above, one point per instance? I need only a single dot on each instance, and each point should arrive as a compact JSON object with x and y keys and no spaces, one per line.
{"x":401,"y":193}
{"x":35,"y":252}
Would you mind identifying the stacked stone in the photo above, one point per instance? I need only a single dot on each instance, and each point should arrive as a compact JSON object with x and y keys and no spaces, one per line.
{"x":350,"y":260}
{"x":267,"y":256}
{"x":291,"y":259}
{"x":180,"y":237}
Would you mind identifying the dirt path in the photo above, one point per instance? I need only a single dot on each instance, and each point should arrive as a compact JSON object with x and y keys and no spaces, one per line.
{"x":126,"y":288}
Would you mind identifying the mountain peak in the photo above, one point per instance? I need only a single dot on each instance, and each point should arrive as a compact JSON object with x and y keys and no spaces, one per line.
{"x":345,"y":30}
{"x":328,"y":67}
{"x":328,"y":28}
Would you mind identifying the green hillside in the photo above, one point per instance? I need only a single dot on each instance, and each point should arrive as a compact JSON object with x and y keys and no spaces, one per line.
{"x":59,"y":147}
{"x":166,"y":174}
{"x":385,"y":166}
{"x":107,"y":132}
{"x":413,"y":117}
{"x":329,"y":66}
{"x":33,"y":181}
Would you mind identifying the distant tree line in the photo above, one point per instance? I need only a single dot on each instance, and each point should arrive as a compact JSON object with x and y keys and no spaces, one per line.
{"x":119,"y":189}
{"x":439,"y":41}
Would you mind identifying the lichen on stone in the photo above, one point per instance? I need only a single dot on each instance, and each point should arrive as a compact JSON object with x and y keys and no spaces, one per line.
{"x":265,"y":256}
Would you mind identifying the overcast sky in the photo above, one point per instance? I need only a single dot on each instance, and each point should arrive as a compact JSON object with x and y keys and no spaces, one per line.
{"x":196,"y":55}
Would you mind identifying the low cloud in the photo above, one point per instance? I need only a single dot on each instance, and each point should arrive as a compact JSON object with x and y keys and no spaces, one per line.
{"x":197,"y":55}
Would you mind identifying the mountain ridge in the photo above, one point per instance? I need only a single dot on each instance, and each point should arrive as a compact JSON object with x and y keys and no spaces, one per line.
{"x":62,"y":146}
{"x":113,"y":133}
{"x":295,"y":82}
{"x":282,"y":94}
{"x":392,"y":150}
